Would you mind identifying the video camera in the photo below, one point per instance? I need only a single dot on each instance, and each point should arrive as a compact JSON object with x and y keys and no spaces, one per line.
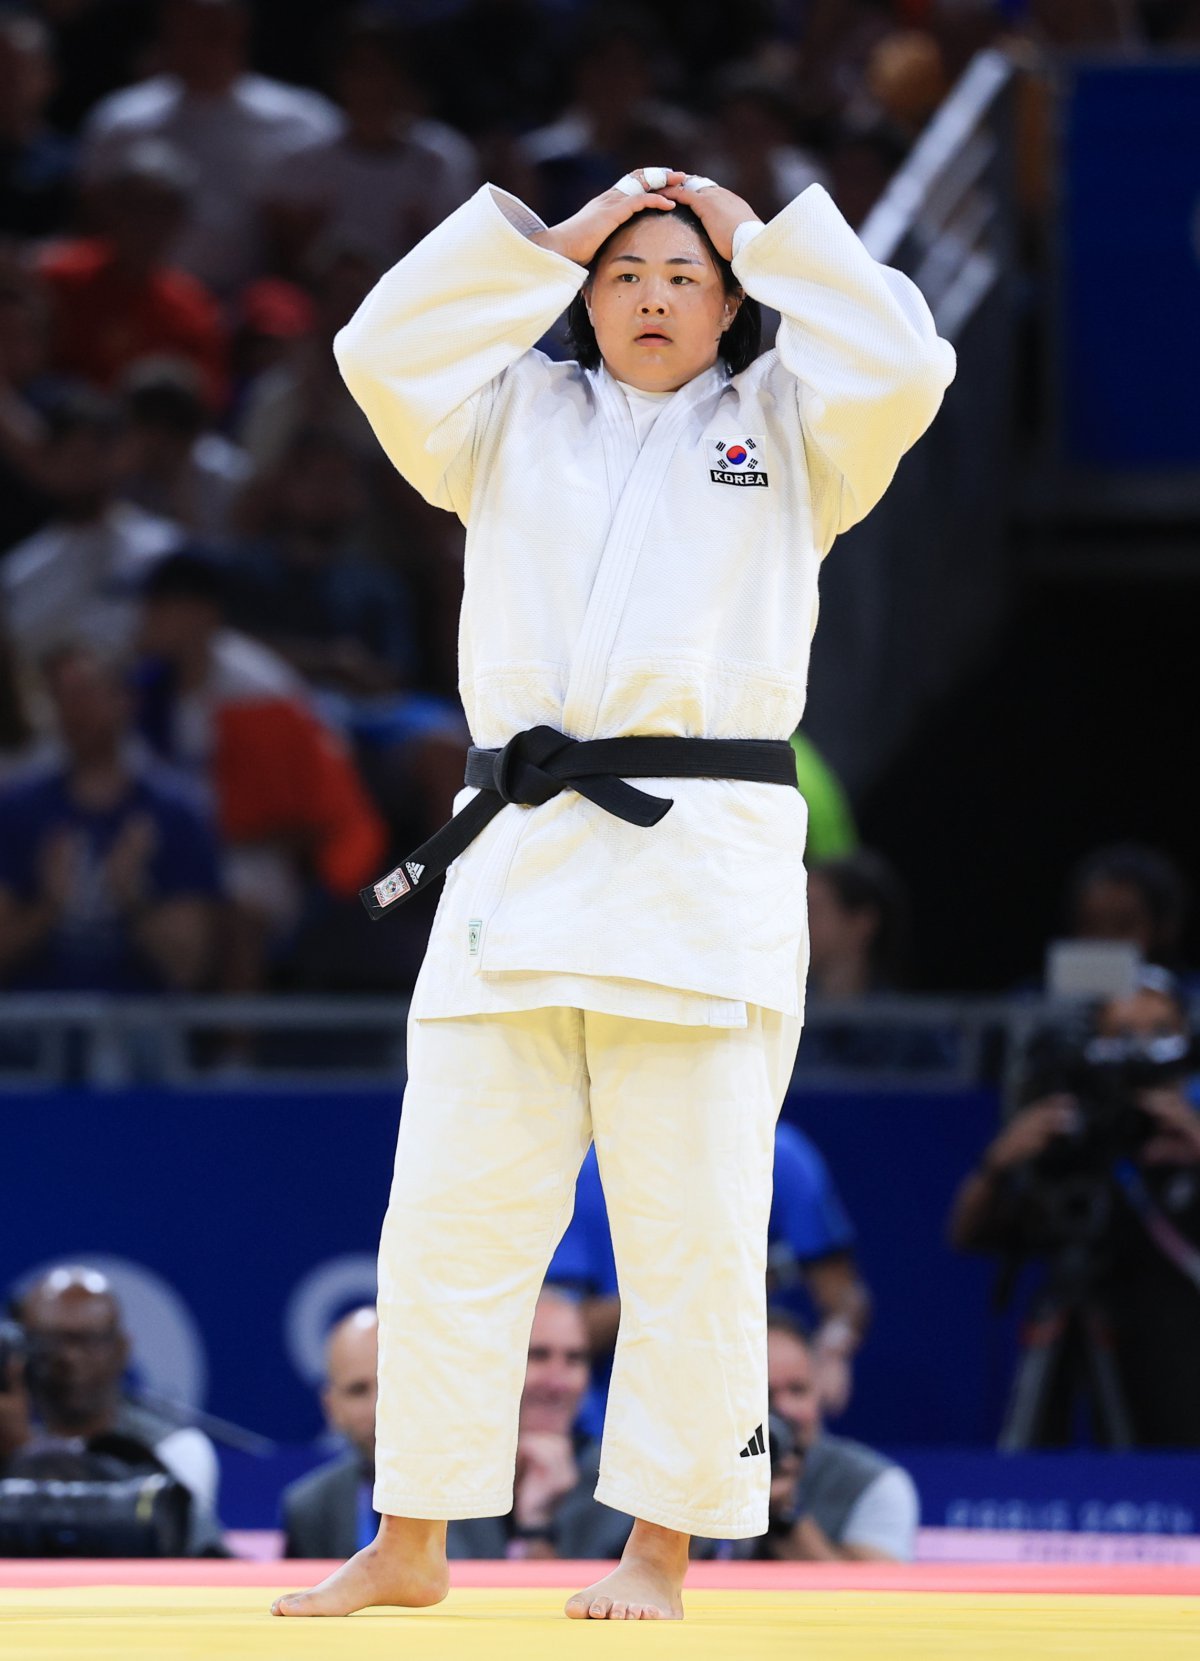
{"x":110,"y":1499}
{"x":1105,"y":1076}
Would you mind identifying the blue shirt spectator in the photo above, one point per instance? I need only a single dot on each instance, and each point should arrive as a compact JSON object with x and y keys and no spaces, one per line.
{"x":108,"y":864}
{"x":809,"y":1227}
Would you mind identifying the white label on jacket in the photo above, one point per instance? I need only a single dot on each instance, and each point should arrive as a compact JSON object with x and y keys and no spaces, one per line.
{"x":737,"y":461}
{"x":474,"y":930}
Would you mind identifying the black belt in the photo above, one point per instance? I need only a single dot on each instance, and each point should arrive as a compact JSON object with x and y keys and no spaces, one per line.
{"x":536,"y":764}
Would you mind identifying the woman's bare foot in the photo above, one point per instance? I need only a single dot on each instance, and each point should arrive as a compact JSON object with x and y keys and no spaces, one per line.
{"x":647,"y":1584}
{"x":404,"y":1565}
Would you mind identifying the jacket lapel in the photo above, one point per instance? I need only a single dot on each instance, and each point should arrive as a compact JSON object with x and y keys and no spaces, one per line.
{"x":635,"y":479}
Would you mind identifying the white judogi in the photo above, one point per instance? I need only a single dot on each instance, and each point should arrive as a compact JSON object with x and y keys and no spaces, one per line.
{"x":617,"y":584}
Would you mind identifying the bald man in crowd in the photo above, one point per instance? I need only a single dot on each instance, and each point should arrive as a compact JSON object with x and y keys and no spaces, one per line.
{"x":69,"y":1394}
{"x":328,"y":1513}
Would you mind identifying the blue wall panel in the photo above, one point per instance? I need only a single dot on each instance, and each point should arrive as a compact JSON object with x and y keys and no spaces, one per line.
{"x":241,"y":1223}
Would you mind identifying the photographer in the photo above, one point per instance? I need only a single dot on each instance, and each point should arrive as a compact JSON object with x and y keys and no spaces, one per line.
{"x":1097,"y":1176}
{"x":61,"y":1401}
{"x":832,"y":1500}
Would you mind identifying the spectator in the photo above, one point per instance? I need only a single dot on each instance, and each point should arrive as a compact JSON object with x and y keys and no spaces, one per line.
{"x":346,"y":623}
{"x":303,"y":388}
{"x":613,"y":120}
{"x":177,"y":466}
{"x":329,"y":1512}
{"x":78,"y":577}
{"x":478,"y":58}
{"x":856,"y":925}
{"x":554,"y":1513}
{"x":389,"y":178}
{"x":36,"y":164}
{"x":287,"y":796}
{"x":836,"y":41}
{"x":906,"y":80}
{"x":1097,"y":1177}
{"x":71,"y":1399}
{"x":271,"y":315}
{"x":234,"y":127}
{"x":108,"y":866}
{"x":115,"y":297}
{"x":756,"y":154}
{"x":846,"y":1502}
{"x":343,"y":620}
{"x":1131,"y":893}
{"x":810,"y":1256}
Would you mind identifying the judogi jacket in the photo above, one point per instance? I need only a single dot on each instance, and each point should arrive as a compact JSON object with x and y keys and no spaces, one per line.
{"x":613,"y":590}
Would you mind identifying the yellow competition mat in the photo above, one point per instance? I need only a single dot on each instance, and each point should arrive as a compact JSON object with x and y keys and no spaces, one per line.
{"x":193,"y":1623}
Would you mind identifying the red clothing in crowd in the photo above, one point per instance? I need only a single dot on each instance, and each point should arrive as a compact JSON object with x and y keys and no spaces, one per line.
{"x":104,"y":320}
{"x":278,"y":777}
{"x":282,"y":776}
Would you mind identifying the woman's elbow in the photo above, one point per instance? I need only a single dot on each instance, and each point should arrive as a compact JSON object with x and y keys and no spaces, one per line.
{"x":350,"y":353}
{"x":930,"y":372}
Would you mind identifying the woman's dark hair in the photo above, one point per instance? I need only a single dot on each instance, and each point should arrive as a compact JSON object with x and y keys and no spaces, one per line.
{"x":864,"y":881}
{"x":742,"y":340}
{"x":1156,"y":879}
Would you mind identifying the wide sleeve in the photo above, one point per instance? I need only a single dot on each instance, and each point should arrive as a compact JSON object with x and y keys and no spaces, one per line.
{"x":439,"y":330}
{"x":861,"y":345}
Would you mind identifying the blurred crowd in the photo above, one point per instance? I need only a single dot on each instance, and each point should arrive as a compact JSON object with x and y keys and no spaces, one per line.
{"x":227,"y":629}
{"x":1089,"y":1193}
{"x":68,"y":1415}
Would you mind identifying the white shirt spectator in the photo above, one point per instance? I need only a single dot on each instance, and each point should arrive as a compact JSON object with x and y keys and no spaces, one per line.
{"x":81,"y":581}
{"x":380,"y":202}
{"x":234,"y":141}
{"x":885,"y":1516}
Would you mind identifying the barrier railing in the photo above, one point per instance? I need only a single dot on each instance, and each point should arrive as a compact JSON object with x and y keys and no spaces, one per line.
{"x":48,"y":1041}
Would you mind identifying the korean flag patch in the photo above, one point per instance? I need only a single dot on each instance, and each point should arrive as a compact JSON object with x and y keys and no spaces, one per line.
{"x":737,"y":461}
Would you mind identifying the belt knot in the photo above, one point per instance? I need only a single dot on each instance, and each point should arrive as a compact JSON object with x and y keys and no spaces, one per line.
{"x":518,"y":774}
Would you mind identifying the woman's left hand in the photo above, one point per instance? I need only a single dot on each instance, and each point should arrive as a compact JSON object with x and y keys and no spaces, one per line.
{"x":1176,"y":1138}
{"x":717,"y":209}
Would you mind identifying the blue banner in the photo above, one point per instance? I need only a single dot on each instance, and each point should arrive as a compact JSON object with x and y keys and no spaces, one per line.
{"x":239,"y":1225}
{"x":236,"y":1227}
{"x":1089,"y":1493}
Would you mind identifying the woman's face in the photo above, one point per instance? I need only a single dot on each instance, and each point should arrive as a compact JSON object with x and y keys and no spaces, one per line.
{"x":657,"y":304}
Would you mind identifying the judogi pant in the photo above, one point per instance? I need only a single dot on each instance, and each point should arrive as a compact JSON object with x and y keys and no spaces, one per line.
{"x":497,"y":1117}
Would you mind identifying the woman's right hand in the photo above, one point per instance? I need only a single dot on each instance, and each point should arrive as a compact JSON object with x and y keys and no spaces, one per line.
{"x":1031,"y":1132}
{"x":15,"y":1410}
{"x":579,"y":237}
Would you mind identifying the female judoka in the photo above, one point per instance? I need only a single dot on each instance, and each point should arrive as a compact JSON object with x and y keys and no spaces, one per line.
{"x":614,"y":961}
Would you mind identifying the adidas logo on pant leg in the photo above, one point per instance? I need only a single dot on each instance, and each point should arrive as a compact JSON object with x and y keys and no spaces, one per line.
{"x":754,"y":1445}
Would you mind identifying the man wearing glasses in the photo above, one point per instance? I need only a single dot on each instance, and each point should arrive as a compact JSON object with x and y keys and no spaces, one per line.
{"x":66,"y":1394}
